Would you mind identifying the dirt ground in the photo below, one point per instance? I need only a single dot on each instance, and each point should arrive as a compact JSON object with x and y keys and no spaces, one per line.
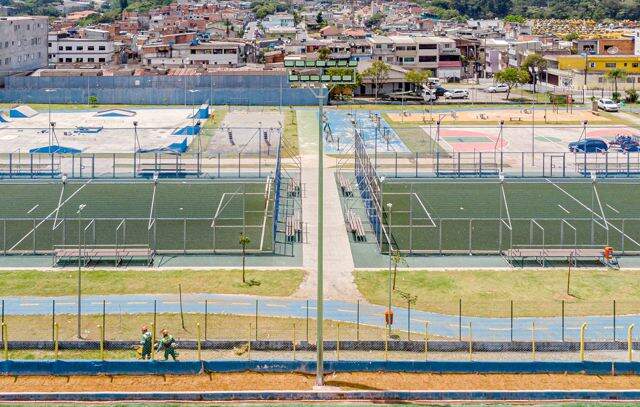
{"x":297,"y":381}
{"x":510,"y":116}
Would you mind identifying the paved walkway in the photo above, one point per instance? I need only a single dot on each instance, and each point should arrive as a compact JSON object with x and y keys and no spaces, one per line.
{"x":600,"y":328}
{"x":338,"y":262}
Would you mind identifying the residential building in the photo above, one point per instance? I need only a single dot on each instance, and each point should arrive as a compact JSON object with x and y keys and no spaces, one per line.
{"x":578,"y":71}
{"x":23,"y":44}
{"x":65,"y":49}
{"x":215,"y":53}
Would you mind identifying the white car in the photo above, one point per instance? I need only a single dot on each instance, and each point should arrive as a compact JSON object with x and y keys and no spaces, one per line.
{"x":498,"y":88}
{"x":456,"y":94}
{"x":608,"y":105}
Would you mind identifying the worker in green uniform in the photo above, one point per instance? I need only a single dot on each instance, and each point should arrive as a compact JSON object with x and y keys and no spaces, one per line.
{"x":146,"y":344}
{"x":168,"y":345}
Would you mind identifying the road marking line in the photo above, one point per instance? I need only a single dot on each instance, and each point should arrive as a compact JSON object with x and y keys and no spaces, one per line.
{"x":499,"y":329}
{"x":563,"y":208}
{"x":276,"y":305}
{"x":612,"y":208}
{"x":346,"y":310}
{"x":65,"y":303}
{"x":241,"y":303}
{"x":170,"y":302}
{"x":29,"y":304}
{"x":100,"y":303}
{"x":136,"y":302}
{"x":305,"y":307}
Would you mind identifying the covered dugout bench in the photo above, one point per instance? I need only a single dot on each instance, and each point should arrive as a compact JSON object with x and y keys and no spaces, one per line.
{"x":99,"y":253}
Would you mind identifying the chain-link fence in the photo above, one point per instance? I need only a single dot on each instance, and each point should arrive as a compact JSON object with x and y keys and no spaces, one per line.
{"x":231,"y":328}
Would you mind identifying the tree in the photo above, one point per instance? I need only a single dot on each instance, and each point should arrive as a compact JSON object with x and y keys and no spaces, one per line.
{"x":343,"y":90}
{"x":396,"y":258}
{"x":323,"y":53}
{"x":535,"y":61}
{"x":244,"y":241}
{"x":616,"y":74}
{"x":378,"y":72}
{"x":417,"y":77}
{"x":374,"y":20}
{"x":319,"y":18}
{"x":571,"y":36}
{"x":93,"y":100}
{"x":515,"y":18}
{"x":512,"y":77}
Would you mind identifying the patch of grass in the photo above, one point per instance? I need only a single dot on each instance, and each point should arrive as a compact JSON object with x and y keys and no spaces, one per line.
{"x":291,"y":142}
{"x":101,"y":282}
{"x":126,"y":326}
{"x":489,"y":292}
{"x":210,"y":126}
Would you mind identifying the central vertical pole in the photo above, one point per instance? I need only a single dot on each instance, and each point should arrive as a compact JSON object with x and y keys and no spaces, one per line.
{"x":320,"y":294}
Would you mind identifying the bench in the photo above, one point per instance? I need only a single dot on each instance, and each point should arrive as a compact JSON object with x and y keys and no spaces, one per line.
{"x":356,"y":227}
{"x":118,"y":254}
{"x":345,"y":187}
{"x":515,"y":119}
{"x":543,"y":254}
{"x":293,"y":229}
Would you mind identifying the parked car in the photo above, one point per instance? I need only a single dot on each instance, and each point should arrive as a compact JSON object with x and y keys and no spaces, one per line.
{"x":440,"y":91}
{"x":588,"y":145}
{"x":456,"y":94}
{"x":608,"y":105}
{"x":429,"y":95}
{"x":498,"y":88}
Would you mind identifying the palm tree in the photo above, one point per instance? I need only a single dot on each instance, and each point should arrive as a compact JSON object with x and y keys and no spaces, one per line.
{"x":614,"y":75}
{"x":244,"y":241}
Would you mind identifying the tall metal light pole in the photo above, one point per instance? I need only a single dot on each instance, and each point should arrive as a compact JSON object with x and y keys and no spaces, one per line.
{"x":48,"y":91}
{"x":389,"y":207}
{"x":193,"y":116}
{"x":323,"y":84}
{"x":79,"y":213}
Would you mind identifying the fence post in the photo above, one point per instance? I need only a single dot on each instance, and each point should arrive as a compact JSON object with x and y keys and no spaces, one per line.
{"x":199,"y":342}
{"x":338,"y":341}
{"x":56,"y":335}
{"x":533,"y":340}
{"x":582,"y":329}
{"x":5,"y":341}
{"x":2,"y":320}
{"x":408,"y":320}
{"x":358,"y":321}
{"x":153,"y":336}
{"x":630,"y":342}
{"x":470,"y":342}
{"x":293,"y":342}
{"x":307,"y":321}
{"x":426,"y":341}
{"x":460,"y":319}
{"x":614,"y":320}
{"x":249,"y":343}
{"x":53,"y":319}
{"x":206,"y":312}
{"x":256,"y":320}
{"x":511,"y":321}
{"x":104,"y":319}
{"x":562,"y":320}
{"x":181,"y":310}
{"x":386,"y":347}
{"x":101,"y":329}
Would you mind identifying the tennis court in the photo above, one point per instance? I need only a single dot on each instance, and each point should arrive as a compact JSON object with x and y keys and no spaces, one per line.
{"x":432,"y":216}
{"x":165,"y":215}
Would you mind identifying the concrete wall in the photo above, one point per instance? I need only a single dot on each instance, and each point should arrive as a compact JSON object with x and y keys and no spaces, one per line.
{"x":23,"y":44}
{"x":247,"y":89}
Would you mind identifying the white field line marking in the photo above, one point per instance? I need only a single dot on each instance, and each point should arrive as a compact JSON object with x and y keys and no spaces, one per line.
{"x":346,"y":310}
{"x":29,"y":304}
{"x":276,"y":305}
{"x":50,"y":214}
{"x":612,"y":208}
{"x":563,"y":208}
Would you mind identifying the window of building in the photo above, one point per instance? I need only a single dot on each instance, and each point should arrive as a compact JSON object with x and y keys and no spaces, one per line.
{"x":427,"y":58}
{"x":101,"y":60}
{"x":592,"y":64}
{"x":409,"y":60}
{"x":60,"y":60}
{"x":79,"y":48}
{"x":90,"y":60}
{"x":101,"y":48}
{"x":68,"y":60}
{"x":68,"y":48}
{"x":634,"y":65}
{"x":90,"y":47}
{"x":610,"y":65}
{"x":428,"y":46}
{"x":78,"y":59}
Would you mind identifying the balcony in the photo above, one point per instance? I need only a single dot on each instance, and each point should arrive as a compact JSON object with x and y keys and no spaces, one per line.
{"x":449,"y":64}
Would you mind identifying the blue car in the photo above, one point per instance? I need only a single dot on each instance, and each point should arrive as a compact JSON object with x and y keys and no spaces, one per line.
{"x":588,"y":145}
{"x":630,"y":147}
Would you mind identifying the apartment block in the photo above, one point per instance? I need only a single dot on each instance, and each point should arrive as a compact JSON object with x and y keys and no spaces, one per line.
{"x":23,"y":44}
{"x":65,"y":49}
